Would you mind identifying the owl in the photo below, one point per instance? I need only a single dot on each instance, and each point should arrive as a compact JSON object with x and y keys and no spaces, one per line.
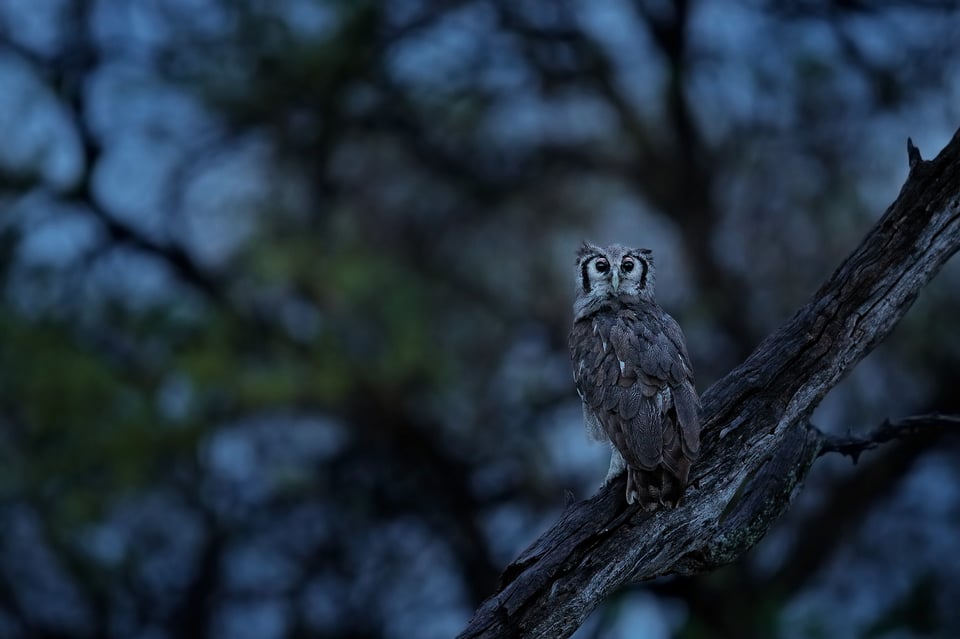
{"x":633,"y":374}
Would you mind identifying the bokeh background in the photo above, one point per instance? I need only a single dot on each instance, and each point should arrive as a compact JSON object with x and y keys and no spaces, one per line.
{"x":286,"y":287}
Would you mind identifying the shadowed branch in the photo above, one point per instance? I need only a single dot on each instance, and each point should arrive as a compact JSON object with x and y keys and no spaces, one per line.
{"x":886,"y":432}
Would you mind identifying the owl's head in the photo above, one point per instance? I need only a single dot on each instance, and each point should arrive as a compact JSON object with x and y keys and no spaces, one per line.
{"x":612,"y":272}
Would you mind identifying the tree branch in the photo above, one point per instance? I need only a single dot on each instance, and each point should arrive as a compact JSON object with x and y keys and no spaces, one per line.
{"x":885,"y":432}
{"x":851,"y":499}
{"x":758,"y":444}
{"x":65,"y":77}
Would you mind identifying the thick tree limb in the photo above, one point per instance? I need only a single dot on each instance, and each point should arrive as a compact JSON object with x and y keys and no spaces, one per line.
{"x":758,"y":444}
{"x":733,"y":609}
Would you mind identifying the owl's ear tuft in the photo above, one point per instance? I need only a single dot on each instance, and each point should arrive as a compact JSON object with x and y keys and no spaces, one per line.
{"x":586,"y":249}
{"x":645,"y":251}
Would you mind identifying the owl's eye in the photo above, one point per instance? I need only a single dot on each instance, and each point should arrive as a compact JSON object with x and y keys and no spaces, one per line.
{"x":602,"y":265}
{"x":627,"y":265}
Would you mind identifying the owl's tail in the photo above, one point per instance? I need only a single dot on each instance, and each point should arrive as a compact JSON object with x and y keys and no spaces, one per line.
{"x":654,"y":489}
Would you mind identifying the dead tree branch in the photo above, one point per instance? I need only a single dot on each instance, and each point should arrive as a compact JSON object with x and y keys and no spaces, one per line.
{"x":853,"y":447}
{"x":758,"y":443}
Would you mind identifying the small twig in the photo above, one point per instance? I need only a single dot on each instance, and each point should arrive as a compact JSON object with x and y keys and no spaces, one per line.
{"x":887,"y":431}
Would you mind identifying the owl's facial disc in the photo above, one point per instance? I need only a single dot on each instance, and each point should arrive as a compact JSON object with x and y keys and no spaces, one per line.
{"x":614,"y":272}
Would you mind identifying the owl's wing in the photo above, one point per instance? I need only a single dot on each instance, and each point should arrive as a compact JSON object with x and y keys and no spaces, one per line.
{"x":685,"y":399}
{"x":589,"y":352}
{"x":631,"y":370}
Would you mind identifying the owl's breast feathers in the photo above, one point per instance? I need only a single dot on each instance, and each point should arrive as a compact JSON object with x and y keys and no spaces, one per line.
{"x":632,"y":370}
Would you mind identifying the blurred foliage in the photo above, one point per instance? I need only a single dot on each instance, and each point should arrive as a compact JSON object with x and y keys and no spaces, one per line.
{"x":286,"y":288}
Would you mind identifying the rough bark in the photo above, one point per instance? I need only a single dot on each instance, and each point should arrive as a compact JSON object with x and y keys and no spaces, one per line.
{"x":758,"y":443}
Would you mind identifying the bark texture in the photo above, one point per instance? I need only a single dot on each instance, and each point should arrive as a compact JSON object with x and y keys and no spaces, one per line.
{"x":757,"y":441}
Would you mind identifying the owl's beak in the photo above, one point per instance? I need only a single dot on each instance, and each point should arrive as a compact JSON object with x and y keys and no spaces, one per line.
{"x":615,"y":281}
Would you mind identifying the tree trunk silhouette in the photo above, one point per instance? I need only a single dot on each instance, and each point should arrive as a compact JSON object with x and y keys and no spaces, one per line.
{"x":758,"y":442}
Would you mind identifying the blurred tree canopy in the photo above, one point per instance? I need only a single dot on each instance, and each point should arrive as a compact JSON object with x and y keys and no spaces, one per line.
{"x":286,"y":288}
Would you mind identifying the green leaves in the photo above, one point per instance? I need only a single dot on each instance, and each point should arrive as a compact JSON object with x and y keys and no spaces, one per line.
{"x":83,"y":428}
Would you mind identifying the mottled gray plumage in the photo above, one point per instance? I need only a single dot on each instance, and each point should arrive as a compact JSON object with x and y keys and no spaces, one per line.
{"x":633,"y":374}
